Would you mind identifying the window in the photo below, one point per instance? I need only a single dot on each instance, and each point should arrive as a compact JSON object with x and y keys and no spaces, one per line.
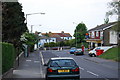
{"x":62,"y":63}
{"x":92,"y":34}
{"x":97,"y":34}
{"x":68,"y":38}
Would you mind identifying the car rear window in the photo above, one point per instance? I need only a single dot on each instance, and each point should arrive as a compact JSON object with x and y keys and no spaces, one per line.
{"x":73,"y":48}
{"x":62,"y":63}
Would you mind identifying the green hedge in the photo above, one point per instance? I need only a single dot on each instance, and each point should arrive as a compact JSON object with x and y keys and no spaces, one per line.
{"x":8,"y":56}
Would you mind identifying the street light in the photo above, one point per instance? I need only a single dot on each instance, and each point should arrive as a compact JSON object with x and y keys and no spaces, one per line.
{"x":76,"y":33}
{"x":32,"y":14}
{"x":32,"y":27}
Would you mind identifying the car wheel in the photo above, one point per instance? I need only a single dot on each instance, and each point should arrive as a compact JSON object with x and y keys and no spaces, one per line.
{"x":93,"y":55}
{"x":90,"y":55}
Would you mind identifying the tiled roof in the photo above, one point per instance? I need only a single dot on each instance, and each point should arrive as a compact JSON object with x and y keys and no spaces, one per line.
{"x":58,"y":34}
{"x":102,"y":26}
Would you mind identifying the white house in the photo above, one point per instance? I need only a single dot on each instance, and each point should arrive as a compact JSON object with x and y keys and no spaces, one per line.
{"x":53,"y":37}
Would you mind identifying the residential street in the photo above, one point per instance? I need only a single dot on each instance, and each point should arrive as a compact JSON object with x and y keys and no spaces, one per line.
{"x":90,"y":67}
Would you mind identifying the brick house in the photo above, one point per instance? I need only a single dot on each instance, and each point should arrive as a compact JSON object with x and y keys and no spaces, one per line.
{"x":103,"y":35}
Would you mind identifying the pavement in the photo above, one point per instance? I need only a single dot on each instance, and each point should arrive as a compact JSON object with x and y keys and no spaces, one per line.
{"x":30,"y":67}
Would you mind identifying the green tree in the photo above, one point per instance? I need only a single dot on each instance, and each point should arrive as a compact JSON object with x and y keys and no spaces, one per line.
{"x":47,"y":34}
{"x":29,"y":38}
{"x":72,"y":42}
{"x":13,"y":25}
{"x":80,"y":32}
{"x":115,"y":10}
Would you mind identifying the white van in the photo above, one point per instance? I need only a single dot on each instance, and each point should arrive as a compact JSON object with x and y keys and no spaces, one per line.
{"x":92,"y":53}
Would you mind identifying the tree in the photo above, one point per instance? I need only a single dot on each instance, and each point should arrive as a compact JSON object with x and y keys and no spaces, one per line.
{"x":29,"y":39}
{"x":80,"y":32}
{"x":115,"y":8}
{"x":13,"y":25}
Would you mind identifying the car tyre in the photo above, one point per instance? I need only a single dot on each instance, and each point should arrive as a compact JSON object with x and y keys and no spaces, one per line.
{"x":93,"y":55}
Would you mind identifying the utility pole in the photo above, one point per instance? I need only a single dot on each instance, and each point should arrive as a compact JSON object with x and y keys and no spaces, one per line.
{"x":31,"y":28}
{"x":75,"y":34}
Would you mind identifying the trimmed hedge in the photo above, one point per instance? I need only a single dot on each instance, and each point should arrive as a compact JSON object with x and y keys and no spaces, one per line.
{"x":8,"y":56}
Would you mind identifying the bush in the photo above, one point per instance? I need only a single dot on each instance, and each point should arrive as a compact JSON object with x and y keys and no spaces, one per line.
{"x":8,"y":56}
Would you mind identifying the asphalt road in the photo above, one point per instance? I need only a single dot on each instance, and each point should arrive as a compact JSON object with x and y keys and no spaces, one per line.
{"x":90,"y":67}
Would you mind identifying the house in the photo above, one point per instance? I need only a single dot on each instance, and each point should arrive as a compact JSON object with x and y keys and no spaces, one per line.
{"x":103,"y":35}
{"x":53,"y":37}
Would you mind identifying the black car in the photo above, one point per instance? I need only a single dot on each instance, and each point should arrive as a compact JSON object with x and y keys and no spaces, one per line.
{"x":62,"y":67}
{"x":79,"y":52}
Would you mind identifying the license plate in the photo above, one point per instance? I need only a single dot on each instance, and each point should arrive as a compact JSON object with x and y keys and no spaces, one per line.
{"x":63,"y":70}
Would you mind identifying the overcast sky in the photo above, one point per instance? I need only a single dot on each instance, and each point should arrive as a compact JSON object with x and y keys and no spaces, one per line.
{"x":60,"y":14}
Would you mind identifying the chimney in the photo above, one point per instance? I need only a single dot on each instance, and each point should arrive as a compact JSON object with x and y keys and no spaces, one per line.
{"x":50,"y":32}
{"x":62,"y":31}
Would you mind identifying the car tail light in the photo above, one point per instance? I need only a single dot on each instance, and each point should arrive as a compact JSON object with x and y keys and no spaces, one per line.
{"x":50,"y":70}
{"x":75,"y":70}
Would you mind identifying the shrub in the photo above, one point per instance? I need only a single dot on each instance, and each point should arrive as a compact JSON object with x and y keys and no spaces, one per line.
{"x":8,"y":56}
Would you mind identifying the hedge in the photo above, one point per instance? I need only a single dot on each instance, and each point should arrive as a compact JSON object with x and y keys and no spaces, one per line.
{"x":8,"y":56}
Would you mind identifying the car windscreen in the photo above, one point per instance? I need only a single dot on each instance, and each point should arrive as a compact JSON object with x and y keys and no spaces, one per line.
{"x":73,"y":48}
{"x":63,"y":63}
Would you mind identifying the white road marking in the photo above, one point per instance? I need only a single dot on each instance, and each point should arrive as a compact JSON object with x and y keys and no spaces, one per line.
{"x":28,"y":60}
{"x":42,"y":58}
{"x":57,"y":55}
{"x":81,"y":68}
{"x":36,"y":61}
{"x":41,"y":70}
{"x":92,"y":73}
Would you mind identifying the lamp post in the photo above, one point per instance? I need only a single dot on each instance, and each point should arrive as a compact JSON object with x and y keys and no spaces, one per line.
{"x":32,"y":27}
{"x":76,"y":34}
{"x":32,"y":14}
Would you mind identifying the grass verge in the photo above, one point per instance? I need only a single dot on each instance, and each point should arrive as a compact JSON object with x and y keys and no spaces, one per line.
{"x":112,"y":54}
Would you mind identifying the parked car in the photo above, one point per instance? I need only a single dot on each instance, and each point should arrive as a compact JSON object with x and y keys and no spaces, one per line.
{"x":92,"y":53}
{"x":72,"y":50}
{"x":62,"y":67}
{"x":78,"y":52}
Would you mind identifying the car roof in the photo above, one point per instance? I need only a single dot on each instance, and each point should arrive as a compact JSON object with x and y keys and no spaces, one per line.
{"x":56,"y":58}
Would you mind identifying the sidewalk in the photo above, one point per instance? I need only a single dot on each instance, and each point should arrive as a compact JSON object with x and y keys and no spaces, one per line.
{"x":30,"y":67}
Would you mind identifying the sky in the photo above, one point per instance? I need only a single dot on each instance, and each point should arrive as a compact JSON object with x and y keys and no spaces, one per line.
{"x":64,"y":15}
